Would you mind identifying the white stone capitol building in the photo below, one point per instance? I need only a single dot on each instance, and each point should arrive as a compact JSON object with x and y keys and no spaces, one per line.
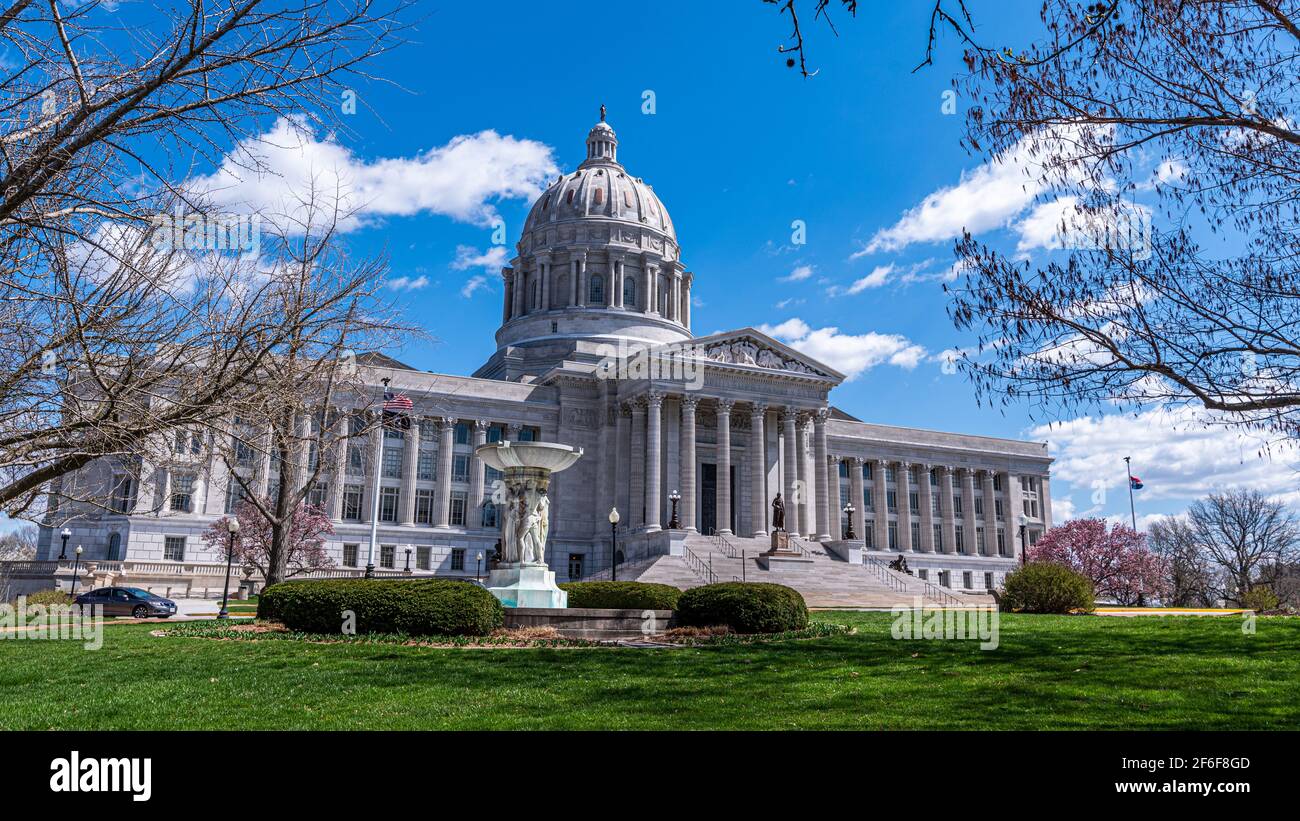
{"x":599,"y":267}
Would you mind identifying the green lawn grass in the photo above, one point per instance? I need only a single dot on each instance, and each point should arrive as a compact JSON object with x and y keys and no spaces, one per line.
{"x":1049,"y":672}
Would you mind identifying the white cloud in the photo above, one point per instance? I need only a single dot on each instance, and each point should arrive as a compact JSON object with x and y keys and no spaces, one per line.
{"x":878,"y":277}
{"x":800,"y":273}
{"x":474,"y":283}
{"x":1062,"y":224}
{"x":847,"y":353}
{"x":274,"y":173}
{"x":408,"y":283}
{"x":1176,"y":455}
{"x":467,"y":256}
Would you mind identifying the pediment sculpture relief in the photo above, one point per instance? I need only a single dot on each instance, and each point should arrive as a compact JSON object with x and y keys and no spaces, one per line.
{"x":746,"y":352}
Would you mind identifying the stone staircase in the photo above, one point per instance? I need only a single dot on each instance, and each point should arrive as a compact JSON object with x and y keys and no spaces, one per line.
{"x":830,"y":583}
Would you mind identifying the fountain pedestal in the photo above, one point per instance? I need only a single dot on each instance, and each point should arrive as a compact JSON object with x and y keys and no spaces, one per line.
{"x":523,"y":579}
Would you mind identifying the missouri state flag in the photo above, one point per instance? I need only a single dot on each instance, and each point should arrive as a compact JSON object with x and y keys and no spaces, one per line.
{"x":1134,"y":482}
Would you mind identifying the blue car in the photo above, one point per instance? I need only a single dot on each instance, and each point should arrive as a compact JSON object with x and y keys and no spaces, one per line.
{"x":128,"y":601}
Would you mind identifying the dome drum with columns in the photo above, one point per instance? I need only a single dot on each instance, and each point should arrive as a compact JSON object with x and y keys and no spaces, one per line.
{"x":598,"y":261}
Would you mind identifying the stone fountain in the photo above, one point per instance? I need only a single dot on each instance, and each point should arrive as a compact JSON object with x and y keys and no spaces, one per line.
{"x":522,"y":578}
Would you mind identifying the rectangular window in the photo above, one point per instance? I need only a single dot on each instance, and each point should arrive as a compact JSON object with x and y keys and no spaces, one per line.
{"x":462,"y":433}
{"x":934,"y":478}
{"x":527,"y":435}
{"x":460,"y":468}
{"x":424,"y":466}
{"x":350,"y":555}
{"x":934,"y":506}
{"x":923,"y":574}
{"x":988,"y":581}
{"x":938,"y":538}
{"x":893,"y":535}
{"x":318,"y":496}
{"x":842,"y":468}
{"x":869,"y":535}
{"x":182,"y":493}
{"x":891,"y":476}
{"x":458,"y":558}
{"x":959,"y":535}
{"x":945,"y":578}
{"x":979,"y":542}
{"x":916,"y":535}
{"x":393,"y":462}
{"x":174,"y":548}
{"x":979,"y":506}
{"x":122,"y":496}
{"x":491,"y":476}
{"x":866,"y":471}
{"x":388,"y":556}
{"x":352,"y":503}
{"x":891,"y":499}
{"x":244,"y":456}
{"x":914,"y":502}
{"x":489,"y":515}
{"x":394,"y":433}
{"x":234,"y":495}
{"x":575,"y":565}
{"x":388,"y":504}
{"x":356,"y":460}
{"x":424,"y":557}
{"x":356,"y":424}
{"x":495,"y":434}
{"x":424,"y":507}
{"x":428,"y":430}
{"x":867,"y":503}
{"x":956,"y":505}
{"x":966,"y":581}
{"x":458,"y":508}
{"x":997,"y":481}
{"x":1002,"y":543}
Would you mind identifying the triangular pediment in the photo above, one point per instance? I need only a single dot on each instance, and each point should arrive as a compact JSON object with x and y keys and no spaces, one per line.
{"x":749,"y":348}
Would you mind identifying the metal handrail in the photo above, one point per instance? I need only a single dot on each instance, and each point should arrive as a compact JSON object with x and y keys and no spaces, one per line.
{"x":884,"y":573}
{"x":932,"y":590}
{"x":725,"y":547}
{"x":699,"y":566}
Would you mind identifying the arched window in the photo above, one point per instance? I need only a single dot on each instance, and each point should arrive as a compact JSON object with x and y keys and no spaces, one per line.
{"x":537,"y":294}
{"x":596,"y":290}
{"x":570,"y":196}
{"x":598,"y":197}
{"x":629,"y":292}
{"x":115,"y":548}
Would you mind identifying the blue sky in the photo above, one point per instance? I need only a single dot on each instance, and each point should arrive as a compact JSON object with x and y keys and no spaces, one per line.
{"x":491,"y":99}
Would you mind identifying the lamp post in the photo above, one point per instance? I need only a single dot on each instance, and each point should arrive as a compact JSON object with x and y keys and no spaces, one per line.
{"x":849,"y":509}
{"x":613,"y":544}
{"x":478,"y":574}
{"x":673,"y":523}
{"x":232,"y":526}
{"x":408,"y":561}
{"x":76,"y":563}
{"x":63,"y":551}
{"x":1023,"y":544}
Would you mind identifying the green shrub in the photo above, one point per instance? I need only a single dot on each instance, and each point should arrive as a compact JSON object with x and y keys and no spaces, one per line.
{"x":746,"y":607}
{"x":48,"y":597}
{"x":1040,"y":587}
{"x":1260,"y":599}
{"x":622,"y":595}
{"x":421,"y":607}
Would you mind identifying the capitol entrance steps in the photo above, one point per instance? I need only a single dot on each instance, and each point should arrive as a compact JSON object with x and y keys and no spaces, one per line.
{"x":828,"y":582}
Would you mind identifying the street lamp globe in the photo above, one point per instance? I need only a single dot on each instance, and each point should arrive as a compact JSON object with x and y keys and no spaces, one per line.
{"x":613,"y":515}
{"x":232,"y":525}
{"x":78,"y":550}
{"x":67,"y":534}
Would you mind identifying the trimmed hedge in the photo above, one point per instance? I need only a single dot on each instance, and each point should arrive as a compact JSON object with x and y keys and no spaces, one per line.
{"x":746,"y":607}
{"x":622,"y":595}
{"x":1042,"y":587}
{"x":420,"y":607}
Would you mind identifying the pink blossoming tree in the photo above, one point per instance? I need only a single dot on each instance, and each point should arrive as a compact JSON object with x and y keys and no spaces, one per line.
{"x":1116,"y":559}
{"x":305,"y":538}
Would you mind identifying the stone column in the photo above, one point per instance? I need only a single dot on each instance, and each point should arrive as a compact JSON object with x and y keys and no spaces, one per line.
{"x":833,"y":478}
{"x":263,"y":467}
{"x":990,"y":513}
{"x":757,"y":471}
{"x":688,"y":502}
{"x":616,"y":281}
{"x":410,"y":454}
{"x":789,"y":472}
{"x":654,"y":455}
{"x":474,"y":516}
{"x":968,"y":510}
{"x":146,"y":488}
{"x":647,"y":277}
{"x":520,"y":293}
{"x":880,"y":503}
{"x":857,"y":497}
{"x":573,"y":282}
{"x":949,"y":514}
{"x":508,"y":294}
{"x":446,"y":443}
{"x":904,"y":475}
{"x":1012,"y":508}
{"x":686,"y":300}
{"x":584,"y":287}
{"x":622,"y":490}
{"x":807,"y":525}
{"x":1045,"y":500}
{"x":926,"y":489}
{"x":825,"y":506}
{"x":340,"y":474}
{"x":724,"y":465}
{"x":675,"y":306}
{"x":636,"y":500}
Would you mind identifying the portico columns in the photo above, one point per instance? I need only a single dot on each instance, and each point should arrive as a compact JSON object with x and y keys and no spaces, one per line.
{"x":926,"y":492}
{"x":446,"y":432}
{"x":969,"y":524}
{"x":824,"y":504}
{"x":689,"y":404}
{"x":857,"y":498}
{"x":757,"y":471}
{"x":789,"y":474}
{"x":654,"y":407}
{"x":905,"y":508}
{"x":410,"y":453}
{"x":724,"y":465}
{"x":880,"y":503}
{"x":990,"y":513}
{"x":687,"y":279}
{"x":508,"y":297}
{"x":474,"y":516}
{"x":647,"y":276}
{"x":636,"y":503}
{"x":545,"y":267}
{"x":833,"y":479}
{"x":949,"y":515}
{"x":806,"y":490}
{"x":520,"y":280}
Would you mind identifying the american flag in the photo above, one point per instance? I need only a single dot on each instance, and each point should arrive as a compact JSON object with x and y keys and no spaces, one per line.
{"x":397,"y":402}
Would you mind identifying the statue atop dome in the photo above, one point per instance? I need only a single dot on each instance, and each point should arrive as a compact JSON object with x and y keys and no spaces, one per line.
{"x":602,"y":112}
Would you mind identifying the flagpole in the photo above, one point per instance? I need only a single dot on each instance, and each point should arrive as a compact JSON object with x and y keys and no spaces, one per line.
{"x":1128,"y":479}
{"x":374,"y":494}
